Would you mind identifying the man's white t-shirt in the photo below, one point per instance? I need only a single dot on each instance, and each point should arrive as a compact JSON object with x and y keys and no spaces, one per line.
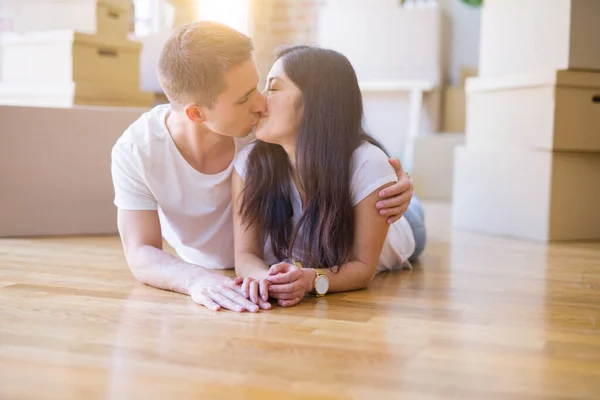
{"x":370,"y":170}
{"x":149,"y":173}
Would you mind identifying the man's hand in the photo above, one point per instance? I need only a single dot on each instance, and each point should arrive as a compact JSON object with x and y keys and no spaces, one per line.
{"x":253,"y":288}
{"x":221,"y":292}
{"x":287,"y":284}
{"x":396,"y":197}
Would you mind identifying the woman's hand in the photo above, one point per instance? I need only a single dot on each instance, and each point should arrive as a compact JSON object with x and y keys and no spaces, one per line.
{"x":287,"y":284}
{"x":394,"y":200}
{"x":257,"y":291}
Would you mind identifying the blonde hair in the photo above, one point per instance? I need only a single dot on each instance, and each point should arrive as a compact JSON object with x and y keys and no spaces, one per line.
{"x":195,"y":58}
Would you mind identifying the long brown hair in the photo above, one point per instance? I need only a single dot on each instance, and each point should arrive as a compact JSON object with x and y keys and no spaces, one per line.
{"x":330,"y":131}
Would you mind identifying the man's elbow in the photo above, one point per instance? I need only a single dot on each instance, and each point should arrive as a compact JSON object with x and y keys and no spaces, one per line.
{"x":138,"y":267}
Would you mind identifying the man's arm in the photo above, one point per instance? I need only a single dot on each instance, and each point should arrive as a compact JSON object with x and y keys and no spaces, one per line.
{"x":394,"y":200}
{"x":142,"y":242}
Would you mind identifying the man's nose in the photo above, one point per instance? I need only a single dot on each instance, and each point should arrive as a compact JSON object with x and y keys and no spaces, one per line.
{"x":260,"y":103}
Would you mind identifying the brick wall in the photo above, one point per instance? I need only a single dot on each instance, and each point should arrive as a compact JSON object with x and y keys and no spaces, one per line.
{"x":281,"y":22}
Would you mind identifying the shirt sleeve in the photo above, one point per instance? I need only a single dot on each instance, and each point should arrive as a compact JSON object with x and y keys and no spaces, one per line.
{"x":371,"y":170}
{"x":131,"y":191}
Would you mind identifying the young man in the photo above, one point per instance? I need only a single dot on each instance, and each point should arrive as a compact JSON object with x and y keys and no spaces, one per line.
{"x":172,"y":167}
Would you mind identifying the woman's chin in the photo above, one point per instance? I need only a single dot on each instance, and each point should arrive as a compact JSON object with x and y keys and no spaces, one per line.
{"x":261,"y":134}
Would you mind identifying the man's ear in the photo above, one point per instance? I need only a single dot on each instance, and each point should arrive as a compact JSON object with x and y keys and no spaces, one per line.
{"x":195,"y":113}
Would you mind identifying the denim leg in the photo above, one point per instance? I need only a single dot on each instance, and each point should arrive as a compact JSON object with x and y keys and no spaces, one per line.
{"x":416,"y":219}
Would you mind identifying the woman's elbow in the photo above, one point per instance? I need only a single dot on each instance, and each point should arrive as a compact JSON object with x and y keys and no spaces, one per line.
{"x":366,"y":277}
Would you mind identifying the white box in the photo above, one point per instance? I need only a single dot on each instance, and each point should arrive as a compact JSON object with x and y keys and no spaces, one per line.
{"x":528,"y":194}
{"x":55,"y":169}
{"x":70,"y":94}
{"x":68,"y":56}
{"x":553,"y":111}
{"x":433,"y":166}
{"x":105,"y":18}
{"x":384,"y":41}
{"x":531,"y":36}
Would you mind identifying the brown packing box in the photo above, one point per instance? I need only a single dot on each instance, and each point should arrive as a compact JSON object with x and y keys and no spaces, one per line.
{"x":557,"y":110}
{"x":433,"y":165}
{"x":69,"y":56}
{"x":110,"y":18}
{"x":538,"y":195}
{"x":71,"y":94}
{"x":454,"y":110}
{"x":55,"y":169}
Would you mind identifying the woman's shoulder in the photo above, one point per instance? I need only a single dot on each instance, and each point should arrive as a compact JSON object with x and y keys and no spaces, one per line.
{"x":371,"y":170}
{"x":369,"y":154}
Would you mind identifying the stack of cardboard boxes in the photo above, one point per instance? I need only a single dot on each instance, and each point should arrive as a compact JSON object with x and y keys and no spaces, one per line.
{"x":71,"y":52}
{"x":433,"y":168}
{"x":531,"y":164}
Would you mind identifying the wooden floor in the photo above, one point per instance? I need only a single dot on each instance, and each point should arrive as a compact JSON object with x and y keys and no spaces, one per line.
{"x":480,"y":318}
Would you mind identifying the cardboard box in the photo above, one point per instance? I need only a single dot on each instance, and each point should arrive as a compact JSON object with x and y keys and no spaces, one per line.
{"x":111,"y":18}
{"x":433,"y":169}
{"x":553,"y":111}
{"x":55,"y":169}
{"x":527,"y":194}
{"x":69,"y":56}
{"x":454,"y":110}
{"x":71,"y":94}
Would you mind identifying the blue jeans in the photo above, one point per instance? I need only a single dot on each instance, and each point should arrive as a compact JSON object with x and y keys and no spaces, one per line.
{"x":416,"y":219}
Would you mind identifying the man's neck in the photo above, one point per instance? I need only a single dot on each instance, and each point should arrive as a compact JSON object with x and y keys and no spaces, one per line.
{"x":203,"y":149}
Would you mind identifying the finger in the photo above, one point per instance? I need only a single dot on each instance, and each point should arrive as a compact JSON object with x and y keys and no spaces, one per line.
{"x":287,"y":296}
{"x":397,"y":166}
{"x":264,"y":305}
{"x":224,"y":302}
{"x":205,"y":301}
{"x":238,"y":280}
{"x":393,"y":212}
{"x":245,"y":287}
{"x":254,"y":292}
{"x":286,"y":287}
{"x":264,"y":289}
{"x":396,"y":201}
{"x":289,"y":303}
{"x":400,"y":187}
{"x":234,"y":297}
{"x":279,"y":268}
{"x":392,"y":220}
{"x":288,"y":277}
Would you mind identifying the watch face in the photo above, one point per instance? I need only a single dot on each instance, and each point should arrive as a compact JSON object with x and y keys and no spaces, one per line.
{"x":322,"y":285}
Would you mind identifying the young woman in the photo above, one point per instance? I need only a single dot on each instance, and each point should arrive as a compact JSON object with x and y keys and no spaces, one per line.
{"x":304,"y":194}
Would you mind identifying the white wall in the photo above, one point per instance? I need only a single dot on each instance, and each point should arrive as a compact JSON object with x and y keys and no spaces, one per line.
{"x":466,"y":26}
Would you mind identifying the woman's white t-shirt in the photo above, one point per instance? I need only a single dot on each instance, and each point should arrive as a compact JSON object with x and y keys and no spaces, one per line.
{"x":149,"y":173}
{"x":370,"y":170}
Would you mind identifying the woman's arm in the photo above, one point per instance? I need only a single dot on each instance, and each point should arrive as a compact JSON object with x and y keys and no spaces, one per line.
{"x":370,"y":231}
{"x":248,"y":243}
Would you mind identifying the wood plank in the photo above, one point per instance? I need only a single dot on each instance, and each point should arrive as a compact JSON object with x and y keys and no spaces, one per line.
{"x":478,"y":317}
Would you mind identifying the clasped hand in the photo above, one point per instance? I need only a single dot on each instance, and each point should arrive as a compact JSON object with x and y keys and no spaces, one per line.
{"x":284,"y":282}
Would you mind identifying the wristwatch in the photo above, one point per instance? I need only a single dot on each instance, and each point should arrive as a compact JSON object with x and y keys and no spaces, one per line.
{"x":321,"y":283}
